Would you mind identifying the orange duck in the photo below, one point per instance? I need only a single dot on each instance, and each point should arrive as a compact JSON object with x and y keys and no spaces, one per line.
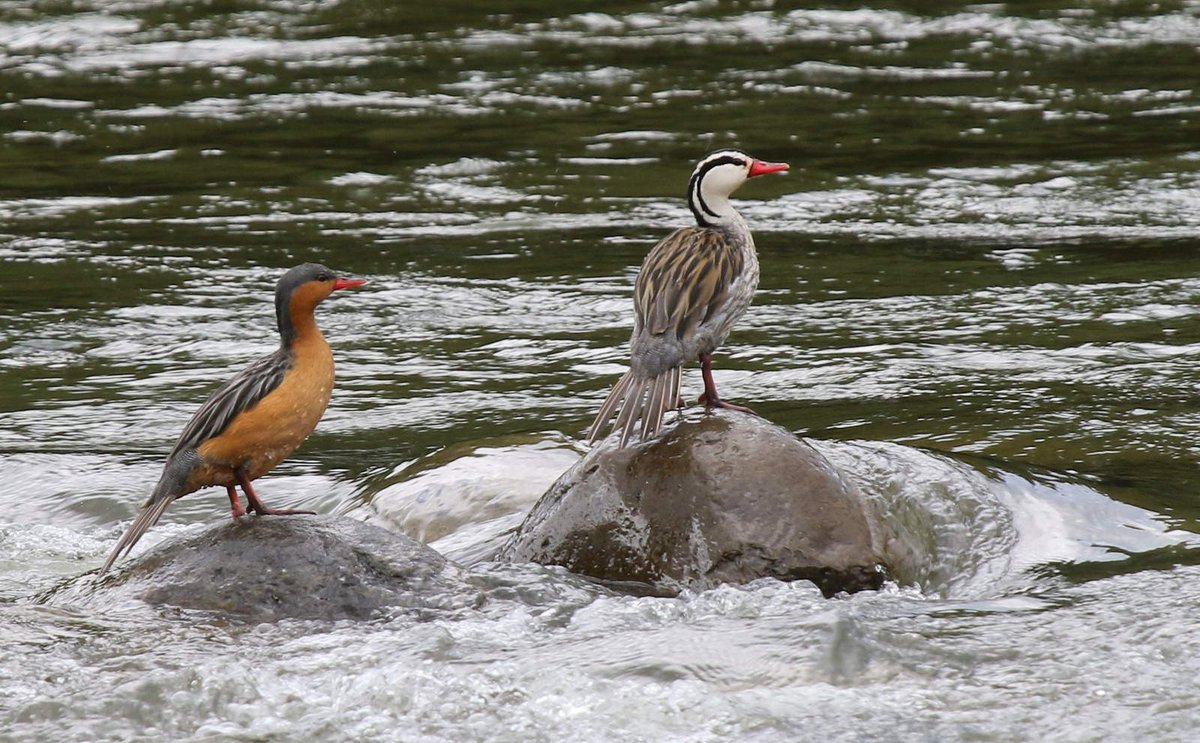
{"x":255,"y":420}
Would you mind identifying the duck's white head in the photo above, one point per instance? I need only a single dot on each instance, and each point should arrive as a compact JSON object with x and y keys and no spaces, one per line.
{"x":717,"y":176}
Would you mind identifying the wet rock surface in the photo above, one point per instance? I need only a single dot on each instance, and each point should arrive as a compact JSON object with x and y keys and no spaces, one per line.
{"x":269,"y":568}
{"x":725,"y":499}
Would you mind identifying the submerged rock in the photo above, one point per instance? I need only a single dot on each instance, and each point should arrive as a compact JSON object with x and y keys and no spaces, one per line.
{"x":271,"y":568}
{"x":726,"y":499}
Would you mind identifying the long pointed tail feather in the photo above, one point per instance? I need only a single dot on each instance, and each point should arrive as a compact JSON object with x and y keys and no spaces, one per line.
{"x":630,"y":411}
{"x":652,"y":408}
{"x":637,"y":399}
{"x":615,"y":396}
{"x":668,"y":398}
{"x":152,"y":511}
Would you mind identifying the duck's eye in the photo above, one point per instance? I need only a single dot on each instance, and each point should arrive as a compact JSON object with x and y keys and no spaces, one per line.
{"x":324,"y":276}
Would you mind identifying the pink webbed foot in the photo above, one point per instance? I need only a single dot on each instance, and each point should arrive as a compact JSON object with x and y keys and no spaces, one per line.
{"x":710,"y":403}
{"x":709,"y":397}
{"x":258,"y":507}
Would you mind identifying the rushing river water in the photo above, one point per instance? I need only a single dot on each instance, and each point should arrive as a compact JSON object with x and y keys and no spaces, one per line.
{"x":980,"y":297}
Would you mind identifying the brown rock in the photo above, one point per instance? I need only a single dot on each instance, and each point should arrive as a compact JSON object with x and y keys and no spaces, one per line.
{"x":263,"y":569}
{"x":726,"y":499}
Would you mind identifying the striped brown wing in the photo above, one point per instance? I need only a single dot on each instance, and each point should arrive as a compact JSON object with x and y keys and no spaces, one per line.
{"x":684,"y":280}
{"x":233,"y":398}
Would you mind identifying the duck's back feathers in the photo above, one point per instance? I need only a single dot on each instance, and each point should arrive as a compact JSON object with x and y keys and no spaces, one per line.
{"x":239,"y":394}
{"x":685,"y":279}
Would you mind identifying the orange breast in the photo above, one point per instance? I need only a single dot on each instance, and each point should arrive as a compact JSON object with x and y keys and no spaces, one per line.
{"x":266,"y":434}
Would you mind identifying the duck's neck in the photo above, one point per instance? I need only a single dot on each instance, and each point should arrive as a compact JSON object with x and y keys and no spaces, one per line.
{"x":297,"y":325}
{"x":712,"y":208}
{"x":301,"y":330}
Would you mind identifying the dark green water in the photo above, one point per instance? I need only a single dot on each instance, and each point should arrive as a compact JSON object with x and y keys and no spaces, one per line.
{"x":979,"y":296}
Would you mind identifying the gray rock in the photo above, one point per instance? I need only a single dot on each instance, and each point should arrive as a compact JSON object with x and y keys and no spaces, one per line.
{"x":726,"y":499}
{"x":263,"y":569}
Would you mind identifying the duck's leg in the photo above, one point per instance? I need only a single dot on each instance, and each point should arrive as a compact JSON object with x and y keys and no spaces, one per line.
{"x":235,"y":503}
{"x":257,"y":506}
{"x":709,"y":397}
